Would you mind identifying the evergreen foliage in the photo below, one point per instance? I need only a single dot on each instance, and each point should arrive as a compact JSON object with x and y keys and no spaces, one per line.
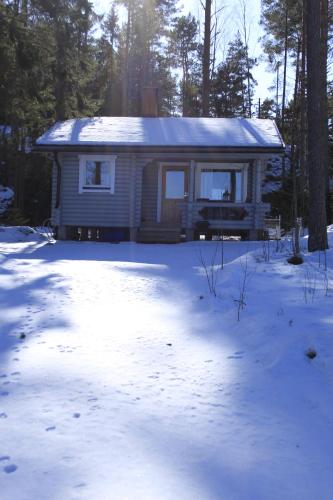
{"x":185,"y":48}
{"x":231,"y":81}
{"x":60,"y":60}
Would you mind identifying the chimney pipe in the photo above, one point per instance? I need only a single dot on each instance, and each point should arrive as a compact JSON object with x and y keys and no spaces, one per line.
{"x":150,"y":102}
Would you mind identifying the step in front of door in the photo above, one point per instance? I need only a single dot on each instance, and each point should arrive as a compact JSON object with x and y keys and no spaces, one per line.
{"x":156,"y":235}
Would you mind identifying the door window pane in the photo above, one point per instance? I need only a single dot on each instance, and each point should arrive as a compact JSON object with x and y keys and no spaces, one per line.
{"x":174,"y":184}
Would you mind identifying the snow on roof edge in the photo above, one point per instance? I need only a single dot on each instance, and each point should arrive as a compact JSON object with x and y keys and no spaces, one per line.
{"x":164,"y":132}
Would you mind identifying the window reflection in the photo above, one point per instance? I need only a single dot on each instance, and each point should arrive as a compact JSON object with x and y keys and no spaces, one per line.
{"x":174,"y":184}
{"x":221,"y":185}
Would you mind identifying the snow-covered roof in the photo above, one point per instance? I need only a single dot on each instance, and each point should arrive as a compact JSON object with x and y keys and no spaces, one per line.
{"x":164,"y":132}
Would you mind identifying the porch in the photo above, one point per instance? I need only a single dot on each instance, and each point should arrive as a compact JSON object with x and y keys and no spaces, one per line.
{"x":179,"y":200}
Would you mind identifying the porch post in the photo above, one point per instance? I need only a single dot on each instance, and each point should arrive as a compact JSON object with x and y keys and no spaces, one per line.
{"x":190,"y":199}
{"x":258,"y":222}
{"x":259,"y":167}
{"x":159,"y":194}
{"x":133,"y":204}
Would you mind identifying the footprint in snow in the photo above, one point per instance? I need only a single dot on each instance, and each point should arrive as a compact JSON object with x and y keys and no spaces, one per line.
{"x":4,"y":458}
{"x":4,"y":393}
{"x":3,"y":415}
{"x":10,"y":468}
{"x":237,"y":355}
{"x":52,"y":428}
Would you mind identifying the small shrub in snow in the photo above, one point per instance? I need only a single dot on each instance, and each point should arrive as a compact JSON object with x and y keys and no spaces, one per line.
{"x":211,"y":270}
{"x":309,"y":286}
{"x":243,"y":286}
{"x":266,"y":250}
{"x":322,"y":259}
{"x":326,"y":284}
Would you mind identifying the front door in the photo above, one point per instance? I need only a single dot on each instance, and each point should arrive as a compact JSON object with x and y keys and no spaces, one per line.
{"x":174,"y":191}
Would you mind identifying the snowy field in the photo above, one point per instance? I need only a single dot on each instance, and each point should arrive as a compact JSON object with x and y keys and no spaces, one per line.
{"x":122,"y":377}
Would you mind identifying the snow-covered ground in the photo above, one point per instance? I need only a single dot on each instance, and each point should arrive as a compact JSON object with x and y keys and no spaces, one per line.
{"x":122,"y":377}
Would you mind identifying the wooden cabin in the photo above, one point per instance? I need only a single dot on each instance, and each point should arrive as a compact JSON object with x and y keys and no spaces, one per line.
{"x":159,"y":179}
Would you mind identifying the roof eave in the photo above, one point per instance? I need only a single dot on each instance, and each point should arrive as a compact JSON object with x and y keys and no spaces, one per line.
{"x":157,"y":149}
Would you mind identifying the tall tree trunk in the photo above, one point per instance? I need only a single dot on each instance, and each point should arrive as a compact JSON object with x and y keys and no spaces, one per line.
{"x":125,"y":82}
{"x":206,"y":59}
{"x":294,"y":155}
{"x":316,"y":22}
{"x":277,"y":111}
{"x":246,"y":45}
{"x":303,"y":113}
{"x":324,"y":56}
{"x":285,"y":63}
{"x":60,"y":79}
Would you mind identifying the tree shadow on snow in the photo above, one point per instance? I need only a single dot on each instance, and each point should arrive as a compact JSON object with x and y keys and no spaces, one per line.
{"x":25,"y":309}
{"x":182,"y":254}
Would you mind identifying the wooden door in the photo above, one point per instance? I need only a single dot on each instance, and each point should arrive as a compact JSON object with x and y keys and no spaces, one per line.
{"x":174,"y":190}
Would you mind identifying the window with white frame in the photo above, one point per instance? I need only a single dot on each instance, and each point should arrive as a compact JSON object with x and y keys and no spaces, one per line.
{"x":222,"y":182}
{"x":97,"y":173}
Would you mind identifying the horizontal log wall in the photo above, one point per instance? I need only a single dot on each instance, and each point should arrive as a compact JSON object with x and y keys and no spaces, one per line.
{"x":135,"y":200}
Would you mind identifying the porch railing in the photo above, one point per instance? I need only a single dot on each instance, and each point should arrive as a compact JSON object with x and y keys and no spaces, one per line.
{"x":224,"y":214}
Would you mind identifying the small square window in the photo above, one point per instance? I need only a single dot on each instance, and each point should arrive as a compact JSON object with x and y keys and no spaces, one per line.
{"x":97,"y":173}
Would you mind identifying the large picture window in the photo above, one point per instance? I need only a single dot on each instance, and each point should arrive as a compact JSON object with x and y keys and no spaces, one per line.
{"x":222,"y":184}
{"x":97,"y":173}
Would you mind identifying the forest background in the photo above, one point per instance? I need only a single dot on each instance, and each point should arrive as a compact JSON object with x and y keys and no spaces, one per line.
{"x":60,"y":59}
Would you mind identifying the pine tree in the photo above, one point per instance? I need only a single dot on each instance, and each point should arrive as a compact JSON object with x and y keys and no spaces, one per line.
{"x":282,"y":23}
{"x":143,"y":51}
{"x":108,"y":79}
{"x":186,"y":50}
{"x":231,"y":81}
{"x":317,"y":25}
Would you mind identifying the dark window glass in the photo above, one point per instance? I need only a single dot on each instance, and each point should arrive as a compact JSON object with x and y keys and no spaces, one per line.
{"x":98,"y":173}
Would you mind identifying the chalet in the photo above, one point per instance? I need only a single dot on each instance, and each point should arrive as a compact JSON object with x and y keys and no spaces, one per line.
{"x":159,"y":179}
